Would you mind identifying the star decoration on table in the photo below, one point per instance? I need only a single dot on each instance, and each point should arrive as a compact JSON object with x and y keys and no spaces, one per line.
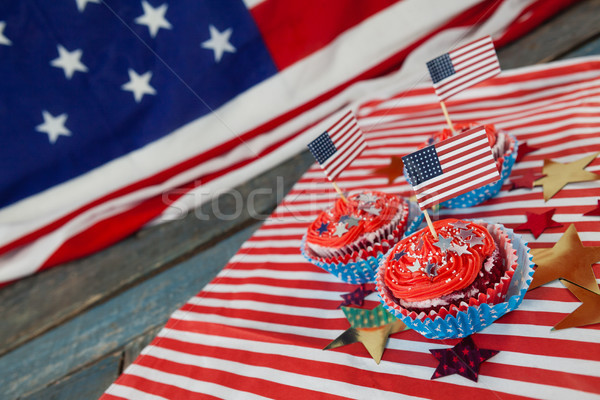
{"x":340,"y":229}
{"x":459,"y":250}
{"x":82,"y":3}
{"x":323,"y":228}
{"x":525,"y":181}
{"x":414,"y":267}
{"x":443,"y":243}
{"x":392,"y":171}
{"x":399,"y":255}
{"x":460,"y":224}
{"x":560,"y":174}
{"x":3,"y":39}
{"x":356,"y":297}
{"x":595,"y":212}
{"x":154,"y":18}
{"x":350,"y":220}
{"x":69,"y":61}
{"x":369,"y":327}
{"x":464,"y":359}
{"x":567,"y":259}
{"x":587,"y":313}
{"x":523,"y":150}
{"x":53,"y":126}
{"x":219,"y":42}
{"x":538,"y":223}
{"x":139,"y":85}
{"x":474,"y":240}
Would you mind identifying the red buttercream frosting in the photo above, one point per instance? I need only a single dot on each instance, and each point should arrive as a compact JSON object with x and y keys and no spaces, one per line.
{"x":421,"y":268}
{"x":365,"y":212}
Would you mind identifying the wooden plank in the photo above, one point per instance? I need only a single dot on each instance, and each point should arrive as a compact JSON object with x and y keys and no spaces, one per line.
{"x":135,"y":347}
{"x":590,"y":48}
{"x":89,"y":383}
{"x":108,"y":327}
{"x":38,"y":303}
{"x":557,"y":37}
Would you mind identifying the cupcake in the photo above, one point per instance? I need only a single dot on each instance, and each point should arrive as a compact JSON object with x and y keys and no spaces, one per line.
{"x":457,"y":284}
{"x":349,"y":238}
{"x":504,"y":150}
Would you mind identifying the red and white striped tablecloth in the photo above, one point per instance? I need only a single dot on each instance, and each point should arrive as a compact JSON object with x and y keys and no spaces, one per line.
{"x":258,"y":329}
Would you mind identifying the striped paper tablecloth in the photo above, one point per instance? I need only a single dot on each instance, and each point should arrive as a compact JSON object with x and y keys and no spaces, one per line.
{"x":258,"y":330}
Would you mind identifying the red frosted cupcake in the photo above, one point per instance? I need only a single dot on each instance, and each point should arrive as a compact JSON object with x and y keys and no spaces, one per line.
{"x":349,"y":238}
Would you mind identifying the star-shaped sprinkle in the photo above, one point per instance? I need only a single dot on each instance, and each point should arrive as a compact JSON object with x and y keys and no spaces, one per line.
{"x":69,"y":61}
{"x":356,"y":297}
{"x":464,"y":234}
{"x":399,"y":255}
{"x":587,"y":313}
{"x":392,"y":171}
{"x":82,"y":3}
{"x":340,"y":229}
{"x":369,"y":327}
{"x":460,"y":224}
{"x":558,"y":175}
{"x":139,"y":85}
{"x":373,"y":210}
{"x":420,"y":244}
{"x":431,"y":269}
{"x":154,"y":18}
{"x":523,"y":150}
{"x":464,"y":359}
{"x":53,"y":126}
{"x":414,"y":267}
{"x":567,"y":259}
{"x":3,"y":39}
{"x":323,"y":228}
{"x":538,"y":223}
{"x":595,"y":212}
{"x":219,"y":42}
{"x":350,"y":220}
{"x":525,"y":181}
{"x":459,"y":250}
{"x":474,"y":240}
{"x":443,"y":243}
{"x":367,"y":197}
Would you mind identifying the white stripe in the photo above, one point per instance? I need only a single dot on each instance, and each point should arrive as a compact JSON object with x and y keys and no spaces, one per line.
{"x":266,"y":307}
{"x":491,"y":70}
{"x":469,"y":47}
{"x":274,"y":290}
{"x":131,"y":393}
{"x":446,"y":193}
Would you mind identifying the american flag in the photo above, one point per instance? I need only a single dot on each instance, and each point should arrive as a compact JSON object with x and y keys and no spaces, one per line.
{"x":258,"y":330}
{"x":464,"y":67}
{"x":452,"y":167}
{"x":335,"y":148}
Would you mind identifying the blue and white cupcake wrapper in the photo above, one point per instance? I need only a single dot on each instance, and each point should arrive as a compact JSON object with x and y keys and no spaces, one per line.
{"x":475,"y":318}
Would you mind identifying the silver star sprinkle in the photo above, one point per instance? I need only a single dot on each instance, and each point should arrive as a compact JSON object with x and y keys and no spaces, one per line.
{"x":465,"y":234}
{"x":443,"y":243}
{"x":373,"y":210}
{"x":350,"y":220}
{"x":415,"y":267}
{"x":367,"y":197}
{"x":474,"y":240}
{"x":460,"y":224}
{"x":460,"y":250}
{"x":340,"y":229}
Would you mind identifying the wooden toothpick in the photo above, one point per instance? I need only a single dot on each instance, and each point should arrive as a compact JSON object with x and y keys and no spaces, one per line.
{"x":447,"y":116}
{"x":430,"y":225}
{"x":337,"y":189}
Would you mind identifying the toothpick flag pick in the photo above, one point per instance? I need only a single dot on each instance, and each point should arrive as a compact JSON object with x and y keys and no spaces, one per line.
{"x":338,"y":146}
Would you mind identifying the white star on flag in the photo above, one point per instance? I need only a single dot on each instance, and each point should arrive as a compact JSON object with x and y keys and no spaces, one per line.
{"x":3,"y":39}
{"x":53,"y":126}
{"x":82,"y":3}
{"x":139,"y":85}
{"x":219,"y":42}
{"x":69,"y":61}
{"x":154,"y":18}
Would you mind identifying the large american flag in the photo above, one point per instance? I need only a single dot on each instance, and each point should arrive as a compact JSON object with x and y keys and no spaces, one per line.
{"x":463,"y":67}
{"x":116,"y":113}
{"x":258,"y":330}
{"x":335,"y":148}
{"x":451,"y":167}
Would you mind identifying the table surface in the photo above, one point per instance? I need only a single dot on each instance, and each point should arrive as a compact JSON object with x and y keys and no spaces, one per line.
{"x":72,"y":327}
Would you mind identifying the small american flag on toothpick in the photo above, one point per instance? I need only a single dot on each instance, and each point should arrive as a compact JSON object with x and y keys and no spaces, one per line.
{"x":452,"y":167}
{"x":461,"y":68}
{"x":338,"y":146}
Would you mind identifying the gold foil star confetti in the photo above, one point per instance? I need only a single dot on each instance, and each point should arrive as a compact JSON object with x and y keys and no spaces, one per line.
{"x":369,"y":327}
{"x":568,"y":259}
{"x":558,"y":175}
{"x":587,"y":313}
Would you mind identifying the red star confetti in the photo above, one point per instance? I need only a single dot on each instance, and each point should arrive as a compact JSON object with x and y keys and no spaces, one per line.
{"x":595,"y":212}
{"x":356,"y":298}
{"x":392,"y":171}
{"x":524,"y":182}
{"x":538,"y":223}
{"x":464,"y":359}
{"x":524,"y":149}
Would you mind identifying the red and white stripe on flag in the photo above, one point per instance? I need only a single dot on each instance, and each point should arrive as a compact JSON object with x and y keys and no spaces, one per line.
{"x":470,"y":64}
{"x":335,"y":148}
{"x":452,"y":167}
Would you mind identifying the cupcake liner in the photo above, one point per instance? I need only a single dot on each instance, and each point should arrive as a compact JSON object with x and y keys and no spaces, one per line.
{"x":478,"y":196}
{"x":464,"y":320}
{"x":360,"y":266}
